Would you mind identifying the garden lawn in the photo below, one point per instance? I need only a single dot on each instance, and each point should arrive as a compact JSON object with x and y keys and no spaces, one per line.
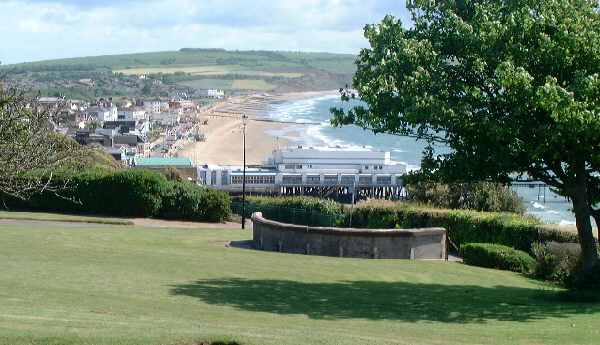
{"x":99,"y":284}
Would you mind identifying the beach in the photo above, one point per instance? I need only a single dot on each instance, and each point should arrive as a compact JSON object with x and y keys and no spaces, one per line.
{"x":223,"y":130}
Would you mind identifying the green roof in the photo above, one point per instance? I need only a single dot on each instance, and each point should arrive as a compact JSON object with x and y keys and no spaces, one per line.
{"x":163,"y":162}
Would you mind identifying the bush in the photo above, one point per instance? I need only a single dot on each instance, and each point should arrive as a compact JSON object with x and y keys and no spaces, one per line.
{"x":187,"y":201}
{"x":480,"y":196}
{"x":555,"y":261}
{"x":561,"y":263}
{"x":497,"y":256}
{"x":127,"y":193}
{"x":296,"y":210}
{"x":463,"y":226}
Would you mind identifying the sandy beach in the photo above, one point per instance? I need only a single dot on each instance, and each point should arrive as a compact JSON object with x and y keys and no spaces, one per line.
{"x":223,"y":145}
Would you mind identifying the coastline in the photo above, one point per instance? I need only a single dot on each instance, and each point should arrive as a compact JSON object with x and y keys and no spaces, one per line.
{"x":223,"y":130}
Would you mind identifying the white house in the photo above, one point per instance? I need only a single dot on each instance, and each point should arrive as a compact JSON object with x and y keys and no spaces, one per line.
{"x":131,"y":114}
{"x":152,"y":106}
{"x":166,"y":119}
{"x":103,"y":114}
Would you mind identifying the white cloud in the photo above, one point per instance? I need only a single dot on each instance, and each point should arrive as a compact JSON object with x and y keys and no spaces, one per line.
{"x":42,"y":29}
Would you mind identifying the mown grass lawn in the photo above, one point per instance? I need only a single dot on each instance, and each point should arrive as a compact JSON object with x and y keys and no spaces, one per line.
{"x":99,"y":284}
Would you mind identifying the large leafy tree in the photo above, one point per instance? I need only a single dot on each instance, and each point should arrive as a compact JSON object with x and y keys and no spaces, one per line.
{"x":511,"y":86}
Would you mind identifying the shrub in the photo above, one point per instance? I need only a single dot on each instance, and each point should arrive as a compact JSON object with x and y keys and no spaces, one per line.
{"x":187,"y":201}
{"x":463,"y":226}
{"x":561,"y":263}
{"x":296,"y":210}
{"x":127,"y":193}
{"x":497,"y":256}
{"x":555,"y":261}
{"x":131,"y":192}
{"x":480,"y":196}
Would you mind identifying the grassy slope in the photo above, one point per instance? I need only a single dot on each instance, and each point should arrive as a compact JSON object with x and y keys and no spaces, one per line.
{"x":258,"y":60}
{"x":242,"y":70}
{"x":91,"y":284}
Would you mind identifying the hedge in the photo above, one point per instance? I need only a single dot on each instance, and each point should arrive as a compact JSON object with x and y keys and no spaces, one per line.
{"x":301,"y":210}
{"x":497,"y":256}
{"x":463,"y":226}
{"x":187,"y":201}
{"x":126,"y":193}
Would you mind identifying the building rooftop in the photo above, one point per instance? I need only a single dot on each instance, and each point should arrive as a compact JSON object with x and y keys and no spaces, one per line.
{"x":163,"y":162}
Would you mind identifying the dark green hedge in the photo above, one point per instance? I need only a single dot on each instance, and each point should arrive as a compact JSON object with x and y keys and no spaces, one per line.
{"x":463,"y":226}
{"x":295,"y":210}
{"x":187,"y":201}
{"x":126,"y":193}
{"x":497,"y":256}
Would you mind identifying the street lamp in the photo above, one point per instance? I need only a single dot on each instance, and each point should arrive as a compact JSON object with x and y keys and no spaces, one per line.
{"x":244,"y":117}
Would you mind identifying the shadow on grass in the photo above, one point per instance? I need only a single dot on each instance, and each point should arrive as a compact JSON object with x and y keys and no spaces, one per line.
{"x":410,"y":302}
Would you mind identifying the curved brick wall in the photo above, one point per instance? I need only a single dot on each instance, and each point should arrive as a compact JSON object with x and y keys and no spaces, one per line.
{"x":429,"y":243}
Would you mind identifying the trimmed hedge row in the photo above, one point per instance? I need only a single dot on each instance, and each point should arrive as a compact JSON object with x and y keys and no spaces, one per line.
{"x":463,"y":226}
{"x":296,"y":210}
{"x":127,"y":193}
{"x":497,"y":256}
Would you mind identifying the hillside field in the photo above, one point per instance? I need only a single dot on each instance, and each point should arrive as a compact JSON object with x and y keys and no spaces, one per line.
{"x":101,"y":284}
{"x":117,"y":75}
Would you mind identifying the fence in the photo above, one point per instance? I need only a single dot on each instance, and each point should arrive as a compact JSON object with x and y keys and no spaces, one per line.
{"x":290,"y":215}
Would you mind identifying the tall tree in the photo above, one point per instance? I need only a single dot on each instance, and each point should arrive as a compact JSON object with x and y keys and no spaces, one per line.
{"x":29,"y":144}
{"x":511,"y":86}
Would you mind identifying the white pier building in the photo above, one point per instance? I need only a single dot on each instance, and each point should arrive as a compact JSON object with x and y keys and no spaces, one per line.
{"x":312,"y":171}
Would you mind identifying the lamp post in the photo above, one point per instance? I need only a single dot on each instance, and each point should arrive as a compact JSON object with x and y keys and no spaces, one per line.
{"x":244,"y":117}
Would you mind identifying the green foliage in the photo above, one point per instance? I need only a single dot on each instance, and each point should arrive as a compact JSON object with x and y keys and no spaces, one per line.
{"x":296,"y":210}
{"x":497,"y":256}
{"x":187,"y":201}
{"x":463,"y":226}
{"x":509,"y":86}
{"x":561,"y":263}
{"x":126,"y":193}
{"x":479,"y":196}
{"x":555,"y":261}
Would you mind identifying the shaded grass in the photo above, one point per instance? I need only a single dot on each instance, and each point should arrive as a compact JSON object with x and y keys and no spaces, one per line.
{"x":109,"y":285}
{"x":54,"y":217}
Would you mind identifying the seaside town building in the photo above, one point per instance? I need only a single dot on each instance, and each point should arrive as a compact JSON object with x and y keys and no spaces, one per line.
{"x":312,"y":171}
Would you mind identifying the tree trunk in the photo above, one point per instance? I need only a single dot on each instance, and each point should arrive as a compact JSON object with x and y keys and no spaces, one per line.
{"x":589,"y":252}
{"x":596,"y":215}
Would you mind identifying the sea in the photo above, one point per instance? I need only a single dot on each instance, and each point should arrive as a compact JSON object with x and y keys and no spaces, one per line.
{"x":318,"y":132}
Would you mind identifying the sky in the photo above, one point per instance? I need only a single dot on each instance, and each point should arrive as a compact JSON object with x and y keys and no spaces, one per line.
{"x":33,"y":30}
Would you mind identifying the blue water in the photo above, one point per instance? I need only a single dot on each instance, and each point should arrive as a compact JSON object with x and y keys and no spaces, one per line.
{"x":552,"y":209}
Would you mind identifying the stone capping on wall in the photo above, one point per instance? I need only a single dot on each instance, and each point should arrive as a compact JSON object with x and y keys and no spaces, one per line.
{"x":424,"y":243}
{"x":257,"y":217}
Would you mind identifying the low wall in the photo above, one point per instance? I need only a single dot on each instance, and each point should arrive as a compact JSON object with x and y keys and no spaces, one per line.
{"x":427,"y":243}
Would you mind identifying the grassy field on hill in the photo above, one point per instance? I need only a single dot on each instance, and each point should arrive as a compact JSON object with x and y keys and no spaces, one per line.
{"x":94,"y":284}
{"x":116,"y":75}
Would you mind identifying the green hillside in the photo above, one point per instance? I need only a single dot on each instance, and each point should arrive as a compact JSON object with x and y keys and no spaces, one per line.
{"x":267,"y":60}
{"x":118,"y":75}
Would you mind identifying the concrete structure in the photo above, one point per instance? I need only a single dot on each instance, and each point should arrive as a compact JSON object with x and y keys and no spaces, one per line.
{"x":411,"y":244}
